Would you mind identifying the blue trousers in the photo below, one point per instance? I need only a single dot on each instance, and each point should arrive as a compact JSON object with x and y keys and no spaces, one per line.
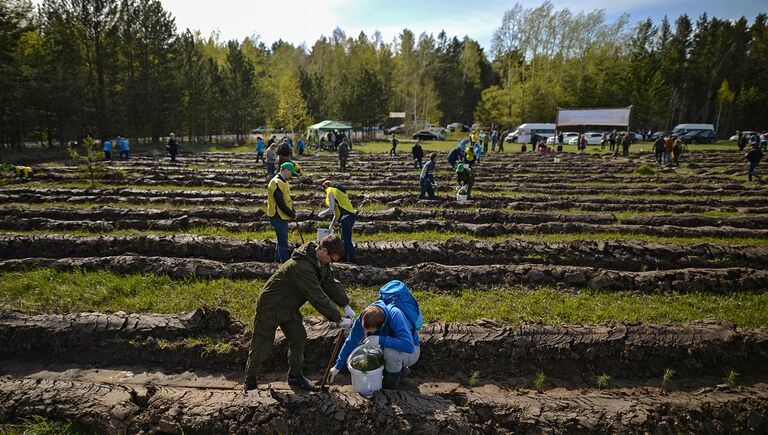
{"x":426,"y":190}
{"x":282,"y":253}
{"x":346,"y":236}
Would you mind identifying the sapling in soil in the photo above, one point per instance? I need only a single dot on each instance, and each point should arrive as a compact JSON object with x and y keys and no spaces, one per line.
{"x":732,"y":378}
{"x":603,"y":381}
{"x":538,"y":382}
{"x":474,"y":378}
{"x":669,"y":373}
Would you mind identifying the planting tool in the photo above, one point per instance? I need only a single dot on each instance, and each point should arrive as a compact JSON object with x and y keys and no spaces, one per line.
{"x":298,"y":228}
{"x":335,"y":353}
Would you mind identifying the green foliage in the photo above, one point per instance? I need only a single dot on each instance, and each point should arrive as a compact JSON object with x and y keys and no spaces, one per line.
{"x":732,"y":378}
{"x":539,"y":380}
{"x":474,"y":378}
{"x":604,"y":381}
{"x":91,"y":158}
{"x":39,"y":425}
{"x":645,"y":171}
{"x":46,"y":290}
{"x":669,"y":373}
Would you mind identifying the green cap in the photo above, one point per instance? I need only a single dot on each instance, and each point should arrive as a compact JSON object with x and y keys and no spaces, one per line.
{"x":459,"y":167}
{"x":293,"y":167}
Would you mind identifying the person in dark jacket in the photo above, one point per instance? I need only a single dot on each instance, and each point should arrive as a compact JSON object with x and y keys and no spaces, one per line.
{"x":173,"y":147}
{"x":305,"y":277}
{"x":465,"y":178}
{"x":418,"y":154}
{"x":427,"y":179}
{"x":457,"y":154}
{"x":284,"y":151}
{"x":343,"y":154}
{"x":753,"y":157}
{"x":658,"y":150}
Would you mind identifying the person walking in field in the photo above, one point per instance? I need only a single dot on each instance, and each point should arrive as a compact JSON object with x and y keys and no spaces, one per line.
{"x":626,"y":141}
{"x":753,"y":157}
{"x":418,"y":154}
{"x":344,"y":215}
{"x":427,"y":179}
{"x":343,"y":154}
{"x":123,"y":146}
{"x":305,"y":277}
{"x":658,"y":150}
{"x":280,"y":206}
{"x":172,"y":147}
{"x":260,"y":147}
{"x":271,"y":159}
{"x":394,"y":142}
{"x":106,"y":146}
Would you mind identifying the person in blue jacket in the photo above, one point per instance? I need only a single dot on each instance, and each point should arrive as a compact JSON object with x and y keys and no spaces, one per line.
{"x":260,"y":150}
{"x":457,"y":154}
{"x":123,"y":146}
{"x":106,"y":145}
{"x":388,"y":327}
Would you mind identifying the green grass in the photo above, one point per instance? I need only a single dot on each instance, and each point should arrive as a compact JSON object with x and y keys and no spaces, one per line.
{"x":46,"y":290}
{"x":420,"y":236}
{"x":38,"y":425}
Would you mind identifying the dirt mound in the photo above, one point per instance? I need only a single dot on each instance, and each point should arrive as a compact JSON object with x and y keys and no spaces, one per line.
{"x":577,"y":352}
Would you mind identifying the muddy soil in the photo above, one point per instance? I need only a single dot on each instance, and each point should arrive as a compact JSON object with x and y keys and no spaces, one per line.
{"x":616,"y":255}
{"x":109,"y":373}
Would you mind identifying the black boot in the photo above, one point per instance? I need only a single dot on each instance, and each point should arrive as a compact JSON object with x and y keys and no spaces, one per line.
{"x":391,"y":380}
{"x":249,"y":386}
{"x":299,"y":381}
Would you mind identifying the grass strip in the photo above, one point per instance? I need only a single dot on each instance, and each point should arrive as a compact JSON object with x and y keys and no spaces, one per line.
{"x":420,"y":236}
{"x":46,"y":290}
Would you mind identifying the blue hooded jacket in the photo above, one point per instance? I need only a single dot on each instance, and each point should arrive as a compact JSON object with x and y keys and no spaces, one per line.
{"x":260,"y":146}
{"x":396,"y":332}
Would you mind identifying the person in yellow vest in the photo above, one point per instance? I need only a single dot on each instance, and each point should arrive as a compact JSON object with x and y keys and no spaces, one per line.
{"x":22,"y":172}
{"x":344,"y":215}
{"x":280,"y":207}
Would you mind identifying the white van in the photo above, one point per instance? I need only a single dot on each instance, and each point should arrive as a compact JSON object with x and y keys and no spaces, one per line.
{"x":682,"y":129}
{"x":525,"y":131}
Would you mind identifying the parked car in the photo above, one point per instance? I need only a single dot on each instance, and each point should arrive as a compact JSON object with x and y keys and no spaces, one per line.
{"x":703,"y":136}
{"x":457,"y":126}
{"x":396,"y":129}
{"x":259,"y":130}
{"x":567,"y":136}
{"x":592,"y":137}
{"x":428,"y":135}
{"x":636,"y":137}
{"x":748,"y":133}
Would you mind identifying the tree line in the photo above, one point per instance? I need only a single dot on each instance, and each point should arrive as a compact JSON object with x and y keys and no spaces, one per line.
{"x":107,"y":67}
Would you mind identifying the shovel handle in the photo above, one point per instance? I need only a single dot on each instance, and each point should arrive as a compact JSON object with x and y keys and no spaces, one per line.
{"x":335,"y":353}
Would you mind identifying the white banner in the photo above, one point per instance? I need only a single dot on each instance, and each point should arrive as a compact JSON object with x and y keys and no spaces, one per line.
{"x":613,"y":117}
{"x":397,"y":114}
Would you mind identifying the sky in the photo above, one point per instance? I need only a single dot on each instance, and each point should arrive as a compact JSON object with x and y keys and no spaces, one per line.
{"x":305,"y":21}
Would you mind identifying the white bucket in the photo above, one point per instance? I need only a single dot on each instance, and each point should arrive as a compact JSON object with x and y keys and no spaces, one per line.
{"x":322,"y":232}
{"x":557,"y":159}
{"x":365,"y":383}
{"x":460,"y":197}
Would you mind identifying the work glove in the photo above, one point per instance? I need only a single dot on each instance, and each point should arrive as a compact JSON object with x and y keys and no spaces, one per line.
{"x":323,"y":213}
{"x":332,"y":374}
{"x":349,"y":312}
{"x":371,"y":341}
{"x":345,"y":323}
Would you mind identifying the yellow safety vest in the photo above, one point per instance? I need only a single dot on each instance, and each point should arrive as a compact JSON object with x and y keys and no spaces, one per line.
{"x":341,"y":199}
{"x":272,"y":208}
{"x":23,"y":171}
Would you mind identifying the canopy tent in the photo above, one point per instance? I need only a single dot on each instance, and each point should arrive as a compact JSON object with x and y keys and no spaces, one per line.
{"x":618,"y":117}
{"x":315,"y":132}
{"x":328,"y":125}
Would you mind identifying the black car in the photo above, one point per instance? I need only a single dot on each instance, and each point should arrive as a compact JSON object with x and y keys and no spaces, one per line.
{"x":662,"y":134}
{"x":428,"y":135}
{"x":701,"y":136}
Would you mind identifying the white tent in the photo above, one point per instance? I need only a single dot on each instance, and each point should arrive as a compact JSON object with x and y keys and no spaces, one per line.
{"x":618,"y":117}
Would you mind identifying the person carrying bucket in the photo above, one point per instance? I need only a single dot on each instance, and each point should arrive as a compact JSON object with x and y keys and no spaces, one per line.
{"x":305,"y":277}
{"x":344,"y":215}
{"x":465,"y":178}
{"x":280,"y":206}
{"x":392,"y":323}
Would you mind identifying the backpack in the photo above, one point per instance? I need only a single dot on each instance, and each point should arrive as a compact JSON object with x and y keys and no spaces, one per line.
{"x":396,"y":293}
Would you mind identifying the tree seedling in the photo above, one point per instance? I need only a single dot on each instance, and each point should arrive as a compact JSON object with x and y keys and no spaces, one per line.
{"x":90,"y":158}
{"x":603,"y":381}
{"x":474,"y":378}
{"x":538,"y":382}
{"x":732,"y":378}
{"x":669,"y":373}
